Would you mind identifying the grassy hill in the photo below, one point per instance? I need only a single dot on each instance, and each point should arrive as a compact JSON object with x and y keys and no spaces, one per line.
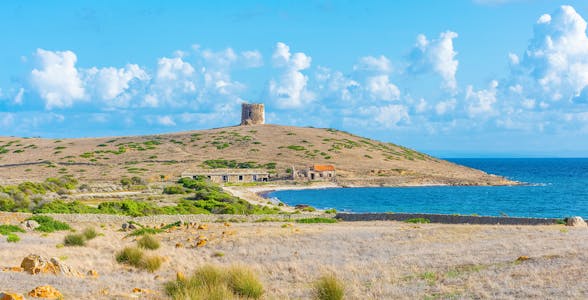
{"x":359,"y":161}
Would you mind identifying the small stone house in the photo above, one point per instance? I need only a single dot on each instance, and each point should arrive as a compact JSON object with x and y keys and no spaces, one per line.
{"x":317,"y":172}
{"x":230,"y":175}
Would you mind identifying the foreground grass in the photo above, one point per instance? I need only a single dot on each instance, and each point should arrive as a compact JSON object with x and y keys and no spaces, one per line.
{"x":328,"y":287}
{"x":135,"y":257}
{"x":209,"y":282}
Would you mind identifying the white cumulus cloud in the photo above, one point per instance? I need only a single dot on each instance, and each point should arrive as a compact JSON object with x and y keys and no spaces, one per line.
{"x":290,"y":89}
{"x":438,"y":56}
{"x":57,"y":79}
{"x":380,"y":88}
{"x":555,"y":65}
{"x":110,"y":83}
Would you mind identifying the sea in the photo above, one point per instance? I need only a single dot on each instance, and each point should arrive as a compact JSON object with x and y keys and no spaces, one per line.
{"x":553,"y":188}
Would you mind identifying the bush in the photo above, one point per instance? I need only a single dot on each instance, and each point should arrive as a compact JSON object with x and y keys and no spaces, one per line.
{"x":316,"y":220}
{"x":151,"y":263}
{"x":173,"y":190}
{"x":12,"y":238}
{"x":134,"y":257}
{"x":74,"y":240}
{"x":210,"y":282}
{"x":328,"y":287}
{"x":48,"y":224}
{"x":148,"y":242}
{"x":8,"y":229}
{"x":89,"y":233}
{"x":244,"y":282}
{"x":130,"y":255}
{"x":418,"y":220}
{"x":331,"y":211}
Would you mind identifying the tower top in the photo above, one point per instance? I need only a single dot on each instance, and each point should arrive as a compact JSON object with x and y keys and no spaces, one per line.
{"x":252,"y":114}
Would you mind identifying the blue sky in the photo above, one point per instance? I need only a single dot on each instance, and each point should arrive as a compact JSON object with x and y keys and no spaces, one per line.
{"x":451,"y":78}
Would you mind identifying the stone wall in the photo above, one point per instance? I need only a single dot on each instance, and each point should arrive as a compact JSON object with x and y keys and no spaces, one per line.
{"x":446,"y":219}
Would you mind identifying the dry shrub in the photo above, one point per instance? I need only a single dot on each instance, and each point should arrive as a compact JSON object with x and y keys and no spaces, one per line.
{"x":148,"y":242}
{"x":328,"y":287}
{"x":209,"y":282}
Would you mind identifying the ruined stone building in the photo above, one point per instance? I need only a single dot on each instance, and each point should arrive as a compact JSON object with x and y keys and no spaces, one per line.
{"x":230,"y":175}
{"x":316,"y":172}
{"x":252,"y":114}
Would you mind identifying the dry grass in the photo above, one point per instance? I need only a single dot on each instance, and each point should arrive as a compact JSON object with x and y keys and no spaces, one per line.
{"x":328,"y":287}
{"x":375,"y":260}
{"x":148,"y":242}
{"x":113,"y":158}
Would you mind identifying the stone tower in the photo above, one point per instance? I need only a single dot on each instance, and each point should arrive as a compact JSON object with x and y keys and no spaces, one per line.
{"x":252,"y":114}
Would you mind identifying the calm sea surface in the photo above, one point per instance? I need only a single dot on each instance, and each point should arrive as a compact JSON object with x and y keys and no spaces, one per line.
{"x":557,"y":187}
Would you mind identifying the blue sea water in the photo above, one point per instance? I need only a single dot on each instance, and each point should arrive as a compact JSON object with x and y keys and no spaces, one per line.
{"x":556,"y":188}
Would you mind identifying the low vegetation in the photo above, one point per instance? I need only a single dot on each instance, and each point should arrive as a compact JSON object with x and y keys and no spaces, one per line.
{"x":12,"y":238}
{"x":328,"y":287}
{"x":74,"y":240}
{"x":209,"y":282}
{"x":233,"y":164}
{"x":418,"y":220}
{"x":316,"y":220}
{"x":48,"y":224}
{"x":24,"y":197}
{"x":8,"y":229}
{"x":148,"y":241}
{"x":135,"y":257}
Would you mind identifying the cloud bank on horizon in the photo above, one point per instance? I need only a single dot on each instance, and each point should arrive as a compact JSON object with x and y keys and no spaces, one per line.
{"x":545,"y":89}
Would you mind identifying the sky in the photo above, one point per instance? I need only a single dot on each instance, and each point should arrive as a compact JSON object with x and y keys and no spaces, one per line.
{"x":460,"y":78}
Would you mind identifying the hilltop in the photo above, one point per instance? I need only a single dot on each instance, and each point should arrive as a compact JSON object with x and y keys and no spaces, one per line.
{"x":359,"y":161}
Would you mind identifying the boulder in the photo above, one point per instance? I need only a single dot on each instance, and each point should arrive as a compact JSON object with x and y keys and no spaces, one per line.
{"x":576,"y":222}
{"x":30,"y":225}
{"x":45,"y":291}
{"x":203,"y":227}
{"x":36,"y":264}
{"x":93,"y":274}
{"x":11,"y":296}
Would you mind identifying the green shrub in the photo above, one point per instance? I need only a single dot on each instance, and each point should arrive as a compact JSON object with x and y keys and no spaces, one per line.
{"x":331,"y":211}
{"x":418,"y":220}
{"x":151,"y":263}
{"x":148,"y":242}
{"x":173,"y":190}
{"x":210,"y":282}
{"x":145,"y":231}
{"x":328,"y":287}
{"x":296,"y":148}
{"x":74,"y":240}
{"x":316,"y":220}
{"x":89,"y":233}
{"x":48,"y":224}
{"x":130,"y":255}
{"x":8,"y":229}
{"x":244,"y":282}
{"x":12,"y":238}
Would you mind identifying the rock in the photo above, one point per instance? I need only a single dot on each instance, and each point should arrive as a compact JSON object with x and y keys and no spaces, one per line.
{"x":36,"y":264}
{"x":10,"y":296}
{"x":179,"y":245}
{"x":523,"y":258}
{"x":227,"y":224}
{"x":576,"y":222}
{"x":30,"y":225}
{"x":45,"y":291}
{"x":203,"y":226}
{"x":201,"y":243}
{"x":125,"y":226}
{"x":132,"y":226}
{"x":93,"y":274}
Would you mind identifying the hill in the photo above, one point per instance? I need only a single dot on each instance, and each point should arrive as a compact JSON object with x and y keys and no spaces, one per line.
{"x":359,"y":161}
